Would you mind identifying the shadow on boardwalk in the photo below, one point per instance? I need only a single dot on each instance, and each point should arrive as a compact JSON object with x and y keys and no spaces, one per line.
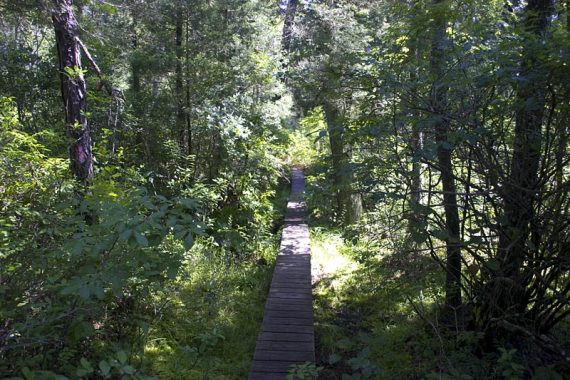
{"x":287,"y":333}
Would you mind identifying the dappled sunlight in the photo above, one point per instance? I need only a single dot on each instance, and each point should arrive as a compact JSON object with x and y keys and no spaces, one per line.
{"x":327,"y":259}
{"x":366,"y":311}
{"x":211,"y":325}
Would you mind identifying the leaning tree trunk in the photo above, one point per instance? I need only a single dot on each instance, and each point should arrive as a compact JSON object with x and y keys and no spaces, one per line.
{"x":73,"y":89}
{"x":438,"y":102}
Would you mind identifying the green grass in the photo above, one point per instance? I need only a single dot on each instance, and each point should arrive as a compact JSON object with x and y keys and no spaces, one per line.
{"x":210,"y":328}
{"x":376,"y":317}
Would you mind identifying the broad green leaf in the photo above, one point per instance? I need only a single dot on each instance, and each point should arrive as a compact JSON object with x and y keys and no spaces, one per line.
{"x":141,"y":239}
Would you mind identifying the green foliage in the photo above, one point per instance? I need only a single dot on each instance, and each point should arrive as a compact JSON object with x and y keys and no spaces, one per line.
{"x":210,"y":325}
{"x":508,"y":366}
{"x":146,"y":268}
{"x":305,"y":371}
{"x":306,"y":143}
{"x":74,"y":73}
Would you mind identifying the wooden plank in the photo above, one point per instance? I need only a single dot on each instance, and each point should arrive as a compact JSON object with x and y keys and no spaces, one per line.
{"x":304,"y":314}
{"x":272,"y":301}
{"x":292,"y":277}
{"x":302,"y":277}
{"x":267,"y":376}
{"x":286,"y":304}
{"x":271,"y":366}
{"x":285,"y":337}
{"x":292,"y":259}
{"x":292,"y":271}
{"x":294,"y":329}
{"x":299,"y":276}
{"x":284,"y":356}
{"x":288,"y":320}
{"x":305,"y":287}
{"x":292,"y":268}
{"x":284,"y":346}
{"x":292,"y":283}
{"x":290,"y":296}
{"x":287,"y":332}
{"x":295,"y":272}
{"x":280,"y":289}
{"x":292,"y":274}
{"x":305,"y":291}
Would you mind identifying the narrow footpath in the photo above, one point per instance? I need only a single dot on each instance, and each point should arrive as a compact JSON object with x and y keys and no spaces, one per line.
{"x":287,"y":334}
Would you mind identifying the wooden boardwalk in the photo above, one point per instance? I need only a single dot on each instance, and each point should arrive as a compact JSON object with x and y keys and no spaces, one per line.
{"x":287,"y":334}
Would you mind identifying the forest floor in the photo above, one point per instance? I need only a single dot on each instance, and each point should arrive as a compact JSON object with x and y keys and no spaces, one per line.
{"x":365,"y":324}
{"x":376,"y":317}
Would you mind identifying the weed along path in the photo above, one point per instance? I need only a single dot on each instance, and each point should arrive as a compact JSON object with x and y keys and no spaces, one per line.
{"x":287,"y":335}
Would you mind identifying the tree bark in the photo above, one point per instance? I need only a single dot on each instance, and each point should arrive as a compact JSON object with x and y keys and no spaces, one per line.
{"x":179,"y":86}
{"x":188,"y":112}
{"x":563,"y":129}
{"x":521,"y":189}
{"x":348,"y":203}
{"x":438,"y":102}
{"x":73,"y":89}
{"x":415,"y":147}
{"x":290,"y":13}
{"x":416,"y":180}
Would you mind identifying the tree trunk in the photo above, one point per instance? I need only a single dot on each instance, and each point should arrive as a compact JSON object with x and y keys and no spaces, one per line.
{"x":337,"y":154}
{"x":520,"y":191}
{"x":143,"y":134}
{"x":416,"y":180}
{"x":188,"y":88}
{"x":73,"y":89}
{"x":348,"y":204}
{"x":415,"y":147}
{"x":562,"y":132}
{"x":438,"y":102}
{"x":181,"y":129}
{"x":288,"y":25}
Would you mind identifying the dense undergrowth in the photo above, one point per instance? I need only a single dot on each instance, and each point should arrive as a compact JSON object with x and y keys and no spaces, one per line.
{"x":378,"y":315}
{"x":209,"y":327}
{"x":379,"y":297}
{"x":380,"y":291}
{"x":377,"y":318}
{"x":137,"y":273}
